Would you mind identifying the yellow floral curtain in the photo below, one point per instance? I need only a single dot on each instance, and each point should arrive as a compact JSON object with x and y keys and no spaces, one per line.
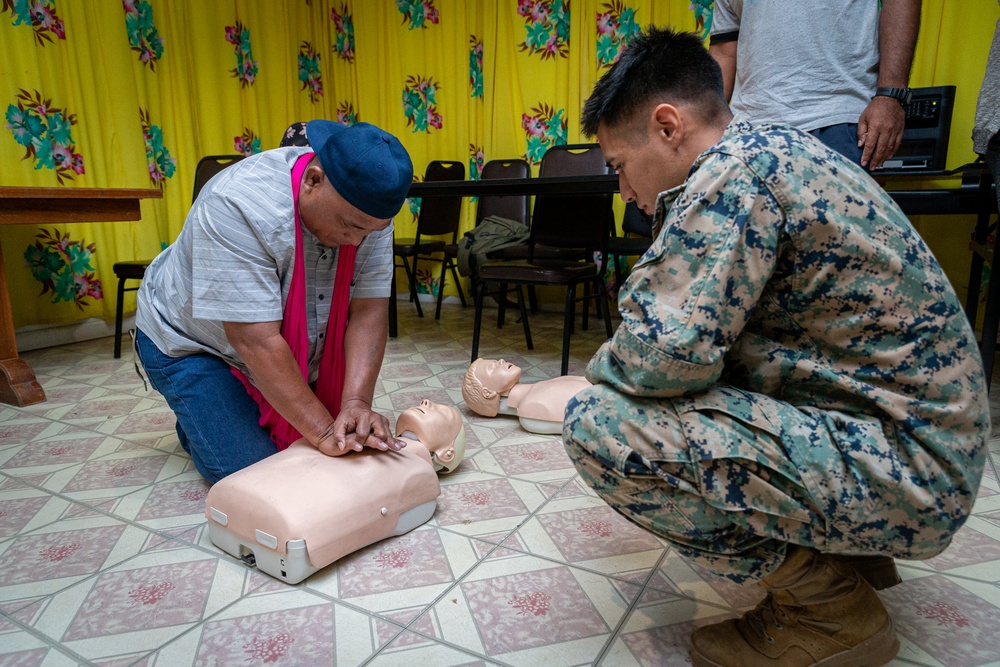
{"x":131,"y":93}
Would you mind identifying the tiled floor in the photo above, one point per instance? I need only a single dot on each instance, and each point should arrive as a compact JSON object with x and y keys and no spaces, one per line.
{"x":104,"y":556}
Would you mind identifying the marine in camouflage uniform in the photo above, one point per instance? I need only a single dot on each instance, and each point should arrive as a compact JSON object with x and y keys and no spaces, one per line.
{"x":792,"y":366}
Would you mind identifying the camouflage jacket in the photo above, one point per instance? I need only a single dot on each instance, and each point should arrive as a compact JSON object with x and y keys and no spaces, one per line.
{"x":782,"y":268}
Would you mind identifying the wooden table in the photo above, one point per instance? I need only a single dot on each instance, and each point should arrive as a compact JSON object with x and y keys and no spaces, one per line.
{"x":36,"y":206}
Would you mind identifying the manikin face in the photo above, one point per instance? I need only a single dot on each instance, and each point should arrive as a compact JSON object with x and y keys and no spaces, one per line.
{"x":434,"y":424}
{"x":330,"y":217}
{"x":438,"y":428}
{"x":497,"y":374}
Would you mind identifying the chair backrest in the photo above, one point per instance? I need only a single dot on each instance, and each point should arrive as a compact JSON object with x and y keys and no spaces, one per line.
{"x":512,"y":207}
{"x":441,"y":215}
{"x":635,"y":222}
{"x":573,"y":221}
{"x":209,"y":166}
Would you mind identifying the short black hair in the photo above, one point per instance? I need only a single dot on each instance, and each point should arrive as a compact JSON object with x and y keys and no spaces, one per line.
{"x":660,"y":64}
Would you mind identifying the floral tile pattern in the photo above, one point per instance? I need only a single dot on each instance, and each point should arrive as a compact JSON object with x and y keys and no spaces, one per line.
{"x":105,"y":558}
{"x":508,"y":609}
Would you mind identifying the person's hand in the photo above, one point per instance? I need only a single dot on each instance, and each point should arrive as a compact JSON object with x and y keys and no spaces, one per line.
{"x":357,"y":427}
{"x":880,"y":130}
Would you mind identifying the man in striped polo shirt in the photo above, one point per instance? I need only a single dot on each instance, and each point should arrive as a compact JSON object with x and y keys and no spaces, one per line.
{"x":224,"y":297}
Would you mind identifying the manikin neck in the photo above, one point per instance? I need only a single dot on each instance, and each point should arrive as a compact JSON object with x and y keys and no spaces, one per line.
{"x":509,"y":402}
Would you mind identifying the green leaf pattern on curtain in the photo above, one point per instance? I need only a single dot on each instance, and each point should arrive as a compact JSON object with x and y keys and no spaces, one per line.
{"x":344,"y":25}
{"x":420,"y":105}
{"x":477,"y":158}
{"x":545,"y":126}
{"x":703,"y":16}
{"x":142,"y":34}
{"x":63,"y":267}
{"x":546,"y":23}
{"x":161,"y":165}
{"x":46,"y":132}
{"x":475,"y":67}
{"x":418,"y":13}
{"x":246,"y":67}
{"x":309,"y":71}
{"x":616,"y":28}
{"x":39,"y":15}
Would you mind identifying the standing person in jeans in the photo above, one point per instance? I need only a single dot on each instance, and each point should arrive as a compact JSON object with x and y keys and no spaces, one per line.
{"x":266,"y":320}
{"x":794,"y":393}
{"x":838,"y":70}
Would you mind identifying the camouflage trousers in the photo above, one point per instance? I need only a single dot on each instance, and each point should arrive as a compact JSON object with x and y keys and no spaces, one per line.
{"x":731,"y":477}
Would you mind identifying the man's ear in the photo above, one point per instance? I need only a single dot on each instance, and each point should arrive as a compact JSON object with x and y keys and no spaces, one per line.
{"x":313,"y":177}
{"x":668,"y":123}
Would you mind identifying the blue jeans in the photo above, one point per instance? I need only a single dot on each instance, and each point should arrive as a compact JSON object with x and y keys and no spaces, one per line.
{"x":217,"y":421}
{"x":842,"y":138}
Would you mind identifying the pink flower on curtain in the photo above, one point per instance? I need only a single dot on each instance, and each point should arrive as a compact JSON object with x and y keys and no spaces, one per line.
{"x":420,"y":104}
{"x":46,"y":133}
{"x":309,"y":71}
{"x":161,"y":165}
{"x":142,"y":34}
{"x":343,"y":23}
{"x":418,"y":12}
{"x":533,"y":125}
{"x":39,"y":15}
{"x":546,"y":26}
{"x":616,"y":28}
{"x":248,"y":143}
{"x":63,"y":267}
{"x":475,"y":66}
{"x":246,"y":67}
{"x":545,"y":126}
{"x":346,"y":115}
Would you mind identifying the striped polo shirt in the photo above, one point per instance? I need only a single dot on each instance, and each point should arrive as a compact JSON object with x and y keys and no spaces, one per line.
{"x":232,"y":262}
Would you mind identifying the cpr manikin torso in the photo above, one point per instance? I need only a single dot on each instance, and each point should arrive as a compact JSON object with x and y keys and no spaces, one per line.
{"x":491,"y":387}
{"x":299,"y":510}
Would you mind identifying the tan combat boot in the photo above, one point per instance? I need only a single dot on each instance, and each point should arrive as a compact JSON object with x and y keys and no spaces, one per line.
{"x":818,"y":611}
{"x":879,"y":571}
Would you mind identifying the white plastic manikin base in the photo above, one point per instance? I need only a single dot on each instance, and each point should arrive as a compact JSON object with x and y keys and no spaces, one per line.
{"x":299,"y":510}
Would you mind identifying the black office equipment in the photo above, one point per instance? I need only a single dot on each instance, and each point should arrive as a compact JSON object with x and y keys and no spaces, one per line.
{"x":925,"y":136}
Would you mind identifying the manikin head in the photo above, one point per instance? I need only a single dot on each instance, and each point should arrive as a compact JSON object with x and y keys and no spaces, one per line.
{"x":485,"y":382}
{"x":437,"y":427}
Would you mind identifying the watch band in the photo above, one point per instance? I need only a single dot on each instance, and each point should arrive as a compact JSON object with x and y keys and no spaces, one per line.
{"x":901,"y":95}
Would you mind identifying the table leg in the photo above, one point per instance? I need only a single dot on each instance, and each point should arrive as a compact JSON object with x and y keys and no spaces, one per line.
{"x":18,"y":385}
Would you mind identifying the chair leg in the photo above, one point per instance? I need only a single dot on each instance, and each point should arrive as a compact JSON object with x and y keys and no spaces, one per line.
{"x":393,"y":326}
{"x":411,"y":276}
{"x":570,"y":316}
{"x":532,"y":299}
{"x":586,"y":306}
{"x":437,"y":311}
{"x":524,"y":318}
{"x":458,"y":282}
{"x":478,"y":319}
{"x":119,"y":315}
{"x":502,"y":305}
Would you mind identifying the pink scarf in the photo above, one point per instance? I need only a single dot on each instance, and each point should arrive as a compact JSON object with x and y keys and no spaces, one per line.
{"x":330,"y":385}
